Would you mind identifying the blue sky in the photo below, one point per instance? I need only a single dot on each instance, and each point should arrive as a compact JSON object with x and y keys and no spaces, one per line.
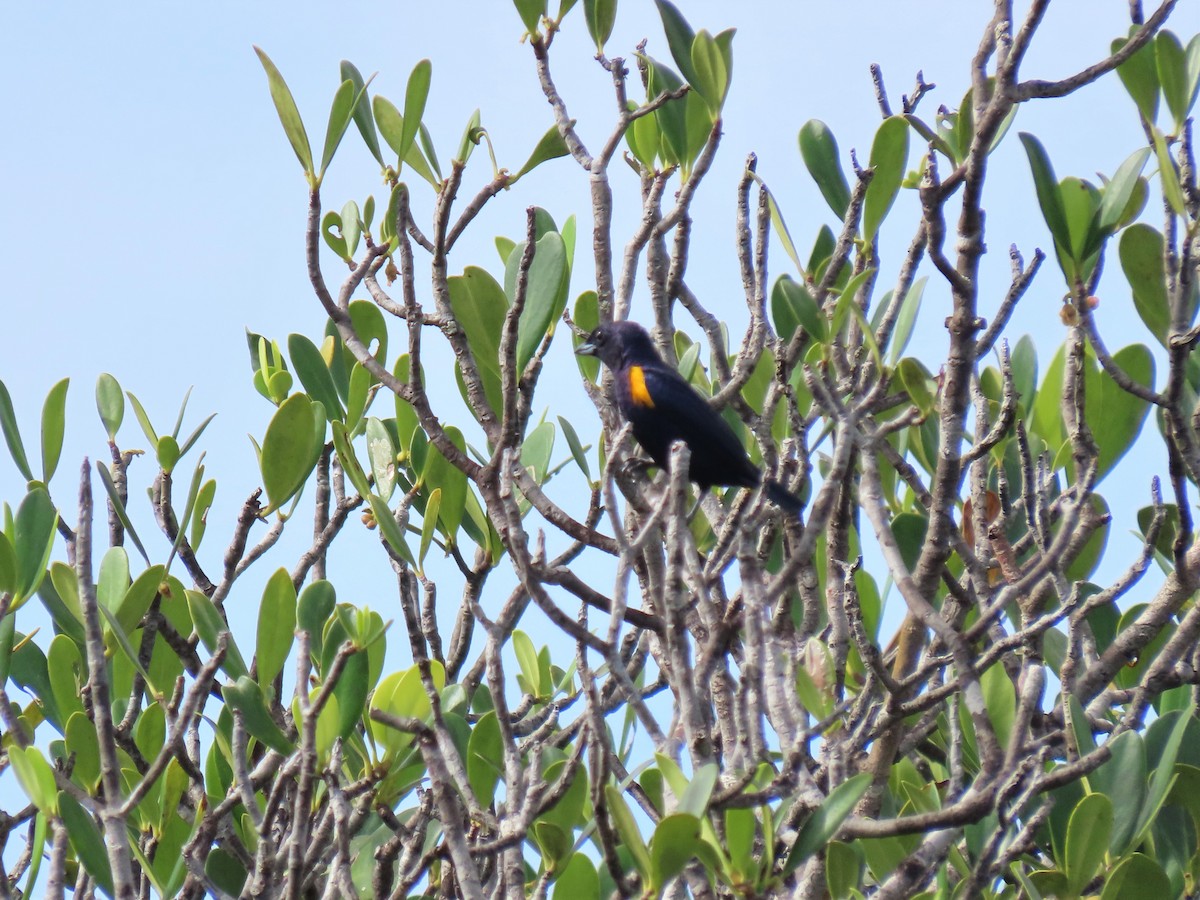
{"x":153,"y":210}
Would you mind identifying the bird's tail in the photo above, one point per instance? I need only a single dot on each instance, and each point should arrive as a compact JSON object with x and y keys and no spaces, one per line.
{"x":782,"y":497}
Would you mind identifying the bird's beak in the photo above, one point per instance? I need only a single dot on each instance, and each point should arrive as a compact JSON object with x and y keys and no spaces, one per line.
{"x":587,"y":348}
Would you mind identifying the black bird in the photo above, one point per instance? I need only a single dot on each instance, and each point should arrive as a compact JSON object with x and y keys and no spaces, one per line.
{"x":662,"y":408}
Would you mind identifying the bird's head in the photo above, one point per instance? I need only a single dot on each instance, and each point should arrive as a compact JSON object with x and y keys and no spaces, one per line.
{"x":620,"y":344}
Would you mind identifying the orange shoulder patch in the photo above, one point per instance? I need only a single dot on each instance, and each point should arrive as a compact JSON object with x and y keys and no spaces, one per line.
{"x":637,"y":388}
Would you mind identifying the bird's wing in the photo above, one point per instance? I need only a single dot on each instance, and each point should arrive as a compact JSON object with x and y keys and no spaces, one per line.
{"x":690,"y":417}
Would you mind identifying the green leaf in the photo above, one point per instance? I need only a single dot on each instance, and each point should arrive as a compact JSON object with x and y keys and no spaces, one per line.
{"x":246,"y":696}
{"x":600,"y":15}
{"x":819,"y":150}
{"x":577,"y":448}
{"x":362,"y":109}
{"x":1141,"y":253}
{"x":276,"y":625}
{"x":340,"y":112}
{"x":289,"y":115}
{"x":680,"y":37}
{"x":33,"y":540}
{"x":472,"y":135}
{"x":823,"y":824}
{"x":1122,"y":780}
{"x":54,"y":423}
{"x":527,"y":660}
{"x":113,"y":580}
{"x":290,"y":448}
{"x":1139,"y":74}
{"x":793,"y":306}
{"x":136,"y":600}
{"x":551,"y":146}
{"x":531,"y":12}
{"x":143,"y":420}
{"x":1117,"y":417}
{"x":1119,"y":191}
{"x":86,"y":841}
{"x":381,"y":453}
{"x":587,"y":316}
{"x":1001,"y":700}
{"x":699,"y":790}
{"x":1081,"y":203}
{"x":118,"y":507}
{"x":331,"y":231}
{"x":577,"y":880}
{"x":672,"y":116}
{"x":348,"y":459}
{"x":1168,"y":174}
{"x":1172,"y":66}
{"x":439,"y":472}
{"x":415,"y":96}
{"x":314,"y":373}
{"x":627,"y":830}
{"x":209,"y":625}
{"x":909,"y":307}
{"x":708,"y":63}
{"x":479,"y":304}
{"x":1048,"y":194}
{"x":82,"y":740}
{"x":8,"y":567}
{"x":433,"y":506}
{"x":889,"y":156}
{"x":110,"y":403}
{"x":12,"y":435}
{"x":545,"y":293}
{"x":485,"y":757}
{"x":35,"y":776}
{"x":676,"y":840}
{"x":402,"y":694}
{"x":1136,"y":877}
{"x":1087,"y":840}
{"x":389,"y":528}
{"x":166,"y":453}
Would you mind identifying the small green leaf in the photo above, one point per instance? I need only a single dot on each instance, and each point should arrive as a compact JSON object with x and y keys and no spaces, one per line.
{"x":793,"y":306}
{"x":1168,"y":174}
{"x":819,"y":150}
{"x":143,"y":419}
{"x":531,"y":12}
{"x":1172,"y":66}
{"x":35,"y":776}
{"x":1087,"y":840}
{"x":545,"y":293}
{"x":110,"y":403}
{"x":712,"y":81}
{"x":276,"y":625}
{"x":289,"y":115}
{"x":1048,"y":194}
{"x":680,"y":37}
{"x":551,"y":146}
{"x":472,"y":135}
{"x":415,"y":96}
{"x":33,"y":540}
{"x":340,"y":112}
{"x":86,"y":841}
{"x":290,"y":448}
{"x":331,"y":231}
{"x":601,"y":16}
{"x":314,"y":373}
{"x":439,"y":472}
{"x":577,"y":448}
{"x":246,"y":696}
{"x":381,"y":453}
{"x":166,"y":453}
{"x":209,"y":625}
{"x":1141,"y":254}
{"x":823,"y":824}
{"x":389,"y":528}
{"x":907,"y":318}
{"x":137,"y":598}
{"x":1119,"y":191}
{"x":433,"y":506}
{"x":676,"y":840}
{"x":54,"y":423}
{"x":889,"y":157}
{"x":1136,"y":877}
{"x":313,"y":609}
{"x":118,"y":507}
{"x":627,"y":830}
{"x":362,"y":109}
{"x":1139,"y":74}
{"x":12,"y":435}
